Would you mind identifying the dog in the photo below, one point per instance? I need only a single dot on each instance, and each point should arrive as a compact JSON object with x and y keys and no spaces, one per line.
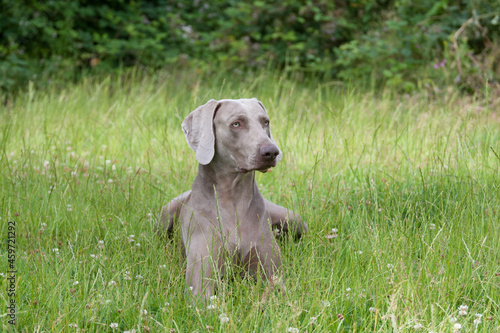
{"x":224,"y":218}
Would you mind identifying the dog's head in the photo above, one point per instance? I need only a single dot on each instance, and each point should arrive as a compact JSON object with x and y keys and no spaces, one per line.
{"x":236,"y":133}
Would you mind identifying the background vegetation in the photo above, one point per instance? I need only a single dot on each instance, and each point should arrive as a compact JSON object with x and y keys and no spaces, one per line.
{"x":405,"y":44}
{"x":411,"y":185}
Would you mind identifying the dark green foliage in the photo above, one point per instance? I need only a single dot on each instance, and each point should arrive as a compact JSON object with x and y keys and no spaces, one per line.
{"x":392,"y":41}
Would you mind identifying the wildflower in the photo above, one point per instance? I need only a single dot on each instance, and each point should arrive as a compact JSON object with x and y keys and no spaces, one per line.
{"x":111,"y":283}
{"x":276,"y":232}
{"x":462,"y":310}
{"x":333,"y":234}
{"x":73,"y":325}
{"x":69,"y":208}
{"x":432,"y":226}
{"x":478,"y":320}
{"x":213,"y":298}
{"x":340,"y":316}
{"x":457,"y":327}
{"x":44,"y":225}
{"x":113,"y":326}
{"x":144,"y":312}
{"x":2,"y":275}
{"x":452,"y":320}
{"x":292,"y":330}
{"x":131,"y":238}
{"x":372,"y":309}
{"x":348,"y":289}
{"x":138,"y":244}
{"x":138,"y":277}
{"x":359,"y":252}
{"x":75,"y":283}
{"x":223,"y":318}
{"x":100,"y":244}
{"x":326,"y":304}
{"x":92,"y":256}
{"x":55,"y":250}
{"x":312,"y":320}
{"x":418,"y":326}
{"x":110,"y":180}
{"x":191,"y":288}
{"x":113,"y":167}
{"x":211,"y":307}
{"x":390,"y":266}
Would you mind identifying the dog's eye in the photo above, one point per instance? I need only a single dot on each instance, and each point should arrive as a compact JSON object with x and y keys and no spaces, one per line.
{"x":236,"y":124}
{"x":266,"y":122}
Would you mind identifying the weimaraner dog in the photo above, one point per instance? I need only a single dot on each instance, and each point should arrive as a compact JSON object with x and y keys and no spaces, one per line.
{"x":224,"y":218}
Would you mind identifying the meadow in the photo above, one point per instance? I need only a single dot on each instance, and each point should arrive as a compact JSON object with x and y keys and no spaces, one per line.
{"x":401,"y":194}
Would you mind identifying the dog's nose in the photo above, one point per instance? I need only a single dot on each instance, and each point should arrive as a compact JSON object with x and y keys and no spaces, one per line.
{"x":269,"y":152}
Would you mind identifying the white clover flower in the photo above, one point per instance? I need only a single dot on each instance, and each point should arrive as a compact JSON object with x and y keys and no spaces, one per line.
{"x":223,"y":318}
{"x":113,"y":326}
{"x":113,"y":167}
{"x":432,"y":226}
{"x":111,"y":283}
{"x":144,"y":312}
{"x":457,"y":327}
{"x":418,"y":326}
{"x":462,"y":310}
{"x":348,"y":289}
{"x":211,"y":307}
{"x":92,"y":256}
{"x":372,"y":309}
{"x":100,"y":244}
{"x":326,"y":303}
{"x":75,"y":283}
{"x":213,"y":298}
{"x":138,"y":244}
{"x":313,"y":320}
{"x":138,"y":277}
{"x":131,"y":238}
{"x":110,"y":180}
{"x":478,"y":320}
{"x":452,"y":320}
{"x":68,"y":207}
{"x":55,"y":250}
{"x":292,"y":330}
{"x":390,"y":266}
{"x":73,"y":325}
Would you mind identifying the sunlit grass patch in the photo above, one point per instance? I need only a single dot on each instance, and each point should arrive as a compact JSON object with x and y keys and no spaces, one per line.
{"x":401,"y":194}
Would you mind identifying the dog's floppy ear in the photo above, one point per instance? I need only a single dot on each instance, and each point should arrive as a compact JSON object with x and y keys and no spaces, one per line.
{"x":198,"y":128}
{"x":280,"y":156}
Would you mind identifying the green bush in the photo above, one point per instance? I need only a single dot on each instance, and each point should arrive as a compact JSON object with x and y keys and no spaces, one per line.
{"x":394,"y":42}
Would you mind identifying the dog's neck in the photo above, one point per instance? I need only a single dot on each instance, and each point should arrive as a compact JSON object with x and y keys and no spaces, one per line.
{"x":226,"y":184}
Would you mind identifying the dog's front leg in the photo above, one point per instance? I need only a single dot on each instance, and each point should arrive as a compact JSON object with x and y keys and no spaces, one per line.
{"x":286,"y":220}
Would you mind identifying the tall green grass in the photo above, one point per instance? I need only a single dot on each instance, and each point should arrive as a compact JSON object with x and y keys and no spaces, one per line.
{"x":410,"y":183}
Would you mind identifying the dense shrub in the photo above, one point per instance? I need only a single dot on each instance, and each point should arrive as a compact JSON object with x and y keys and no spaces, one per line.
{"x":392,"y":41}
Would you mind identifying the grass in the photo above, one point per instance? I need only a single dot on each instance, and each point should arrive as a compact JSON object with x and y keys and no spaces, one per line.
{"x":411,"y":183}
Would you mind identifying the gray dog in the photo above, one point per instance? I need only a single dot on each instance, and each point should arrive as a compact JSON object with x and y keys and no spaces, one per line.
{"x":224,"y":218}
